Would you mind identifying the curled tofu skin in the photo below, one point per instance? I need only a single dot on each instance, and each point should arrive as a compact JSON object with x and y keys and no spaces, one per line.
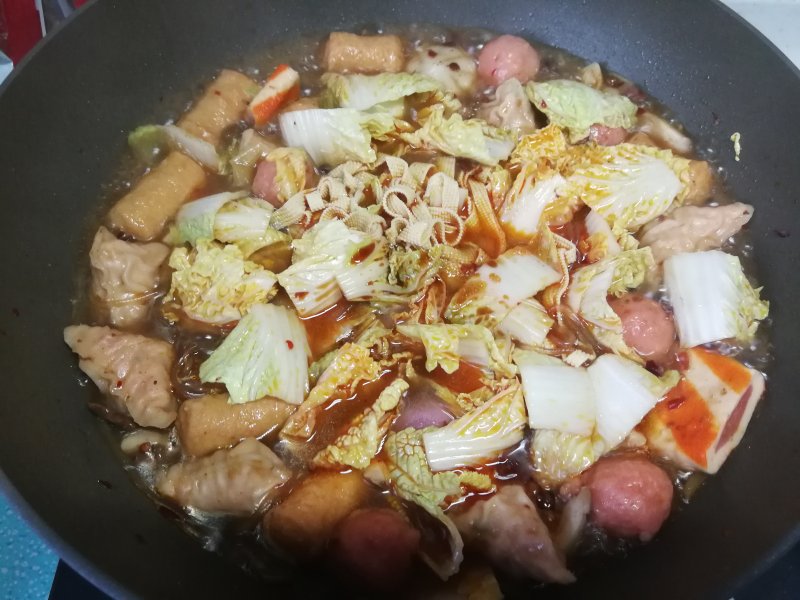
{"x":351,"y":53}
{"x":210,"y":423}
{"x":235,"y":481}
{"x":511,"y":533}
{"x":133,"y":370}
{"x":125,"y":276}
{"x":144,"y":211}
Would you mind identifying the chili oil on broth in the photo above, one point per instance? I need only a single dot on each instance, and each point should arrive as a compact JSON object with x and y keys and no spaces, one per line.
{"x":240,"y":539}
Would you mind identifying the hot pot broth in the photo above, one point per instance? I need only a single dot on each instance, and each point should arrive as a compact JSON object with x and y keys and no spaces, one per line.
{"x":460,"y":412}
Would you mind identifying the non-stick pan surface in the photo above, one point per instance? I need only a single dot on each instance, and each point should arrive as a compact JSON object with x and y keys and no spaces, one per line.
{"x":63,"y":120}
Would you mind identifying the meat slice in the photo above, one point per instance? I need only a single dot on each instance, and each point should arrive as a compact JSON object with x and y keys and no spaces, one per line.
{"x":512,"y":534}
{"x":222,"y":104}
{"x":132,"y":369}
{"x":234,"y":481}
{"x":211,"y":422}
{"x":124,"y":276}
{"x":631,"y":497}
{"x":351,"y":53}
{"x":646,"y":326}
{"x":694,"y":229}
{"x":156,"y":197}
{"x":506,"y":57}
{"x":306,"y":519}
{"x":376,"y":547}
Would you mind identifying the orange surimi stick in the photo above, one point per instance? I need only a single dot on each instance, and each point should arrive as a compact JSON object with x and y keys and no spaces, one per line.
{"x":282,"y":86}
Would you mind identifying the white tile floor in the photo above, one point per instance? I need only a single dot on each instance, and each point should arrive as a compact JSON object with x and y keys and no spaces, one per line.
{"x":779,"y":20}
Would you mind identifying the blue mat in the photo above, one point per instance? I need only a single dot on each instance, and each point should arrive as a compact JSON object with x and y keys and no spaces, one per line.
{"x":27,"y":564}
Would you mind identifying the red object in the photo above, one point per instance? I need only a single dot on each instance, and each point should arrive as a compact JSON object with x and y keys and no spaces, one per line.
{"x":23,"y":27}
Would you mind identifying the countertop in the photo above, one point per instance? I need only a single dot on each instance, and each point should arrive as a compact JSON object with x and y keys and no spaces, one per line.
{"x":27,"y":565}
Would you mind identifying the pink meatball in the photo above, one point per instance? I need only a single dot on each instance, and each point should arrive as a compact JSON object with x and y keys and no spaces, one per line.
{"x":376,"y":546}
{"x":631,"y":497}
{"x":646,"y":326}
{"x":508,"y":57}
{"x":607,"y":136}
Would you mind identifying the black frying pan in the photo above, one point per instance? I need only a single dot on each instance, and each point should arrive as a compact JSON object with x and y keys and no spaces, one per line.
{"x":63,"y":120}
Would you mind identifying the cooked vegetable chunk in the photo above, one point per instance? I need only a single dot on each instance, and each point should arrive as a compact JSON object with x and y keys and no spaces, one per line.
{"x":125,"y":275}
{"x":306,"y":519}
{"x":350,"y":53}
{"x":132,"y":369}
{"x":234,"y":481}
{"x":222,"y":105}
{"x":511,"y":533}
{"x":212,"y":422}
{"x":154,"y":200}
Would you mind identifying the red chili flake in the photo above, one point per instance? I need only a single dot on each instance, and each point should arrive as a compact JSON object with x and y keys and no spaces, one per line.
{"x":217,"y":93}
{"x":432,"y":53}
{"x":453,"y":66}
{"x":543,"y":104}
{"x":675,"y":402}
{"x":119,"y":382}
{"x":290,"y":343}
{"x":301,"y":295}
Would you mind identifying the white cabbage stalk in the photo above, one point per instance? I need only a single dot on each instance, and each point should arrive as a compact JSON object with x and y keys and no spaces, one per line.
{"x":523,"y":209}
{"x":500,"y":286}
{"x":366,"y":278}
{"x":601,"y":240}
{"x":195,"y":220}
{"x":318,"y":257}
{"x":334,"y":136}
{"x":528,"y":323}
{"x":229,"y":217}
{"x":148,"y":140}
{"x":362,"y":92}
{"x":446,"y":345}
{"x":624,"y":394}
{"x":480,"y":434}
{"x":266,"y":354}
{"x":245,"y":223}
{"x":557,"y":396}
{"x":711,"y":298}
